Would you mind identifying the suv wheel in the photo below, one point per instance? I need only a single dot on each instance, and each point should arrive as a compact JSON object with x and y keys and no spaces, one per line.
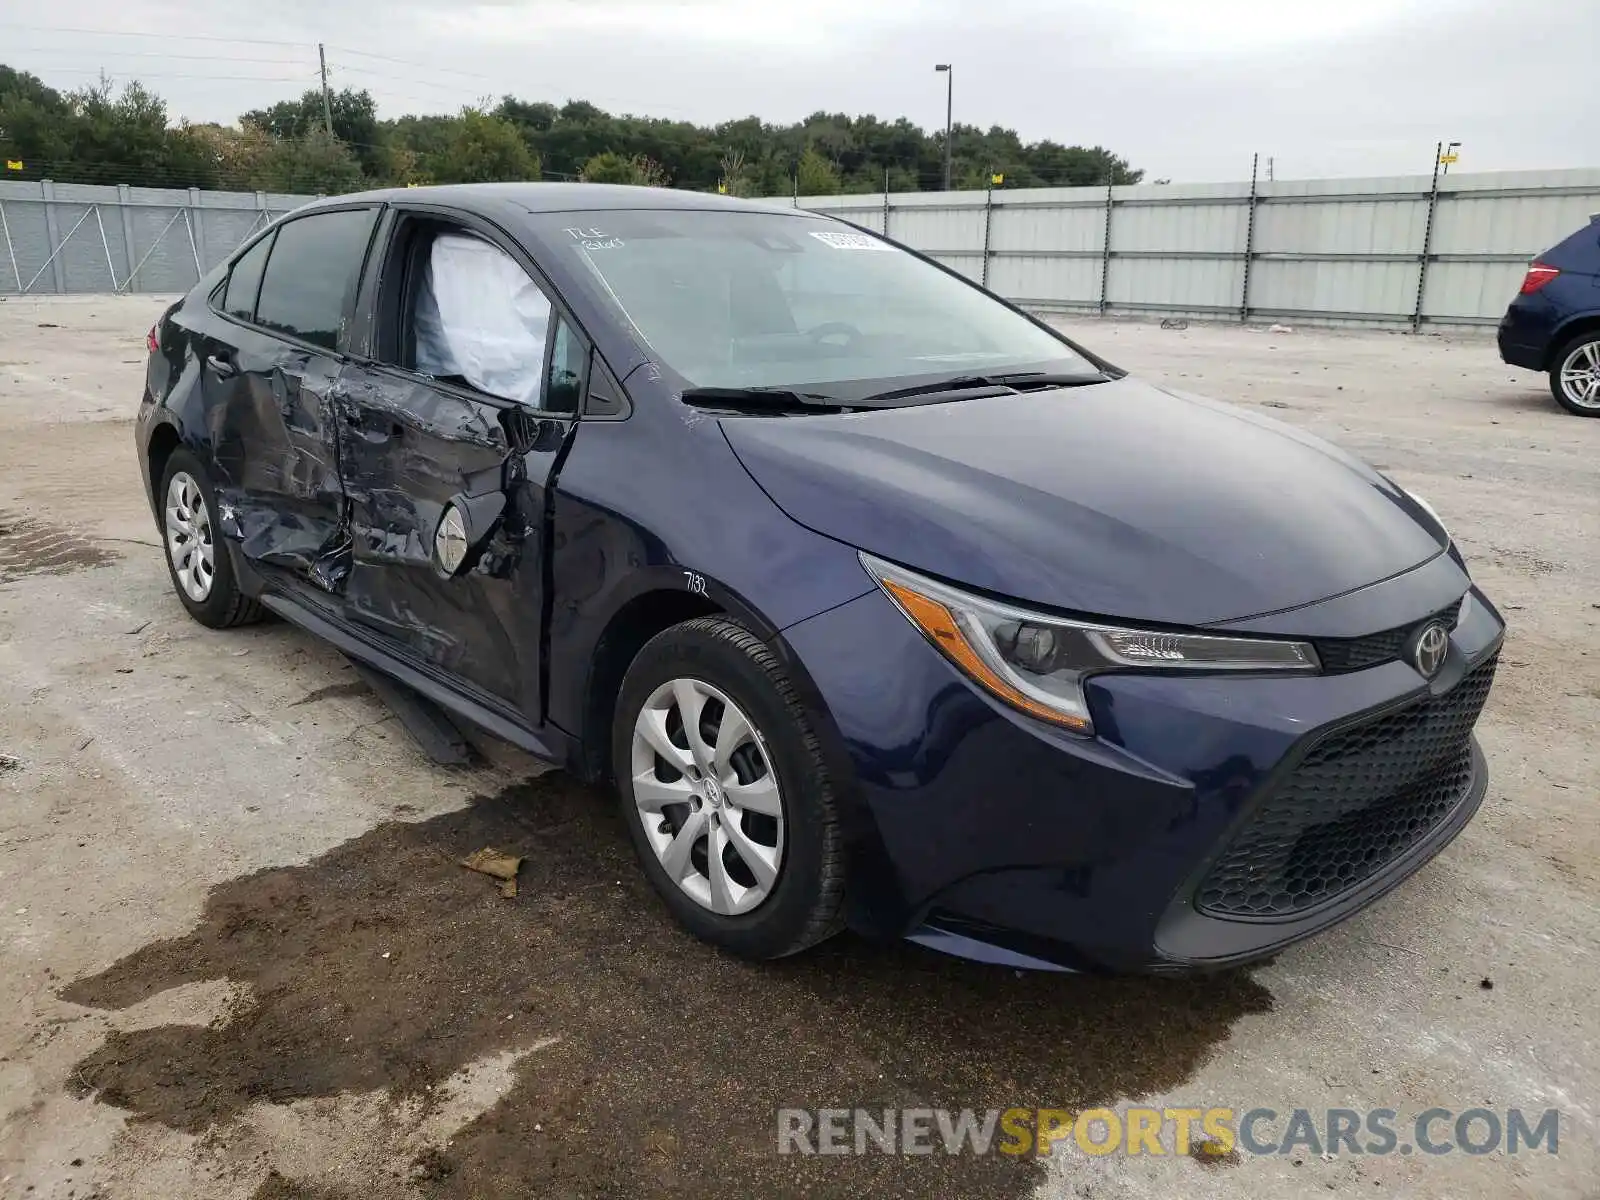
{"x":725,"y":794}
{"x":1575,"y":379}
{"x":202,"y":573}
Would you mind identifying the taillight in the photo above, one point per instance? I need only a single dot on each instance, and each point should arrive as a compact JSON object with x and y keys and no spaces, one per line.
{"x":152,"y":342}
{"x":1538,"y":275}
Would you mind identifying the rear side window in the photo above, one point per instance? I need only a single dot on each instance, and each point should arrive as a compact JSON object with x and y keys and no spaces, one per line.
{"x":311,"y":274}
{"x":244,"y":282}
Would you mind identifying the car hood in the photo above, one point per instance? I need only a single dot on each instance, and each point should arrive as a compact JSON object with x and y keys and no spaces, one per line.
{"x":1118,"y":499}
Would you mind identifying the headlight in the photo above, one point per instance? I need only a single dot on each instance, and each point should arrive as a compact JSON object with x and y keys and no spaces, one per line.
{"x":1037,"y":662}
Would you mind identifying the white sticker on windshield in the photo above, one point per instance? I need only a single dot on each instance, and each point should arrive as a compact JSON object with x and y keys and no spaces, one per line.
{"x":851,"y":241}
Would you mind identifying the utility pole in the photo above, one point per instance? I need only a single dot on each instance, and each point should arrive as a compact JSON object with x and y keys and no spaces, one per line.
{"x":327,"y":100}
{"x":949,"y":72}
{"x":1427,"y":237}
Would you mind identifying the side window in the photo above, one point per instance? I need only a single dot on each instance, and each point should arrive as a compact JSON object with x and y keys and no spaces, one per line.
{"x":478,"y":319}
{"x":244,"y":281}
{"x":312,"y":272}
{"x":568,"y":358}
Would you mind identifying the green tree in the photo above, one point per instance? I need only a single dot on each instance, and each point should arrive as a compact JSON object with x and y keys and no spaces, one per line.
{"x":816,"y":175}
{"x":311,"y":164}
{"x":34,"y":126}
{"x":534,"y":118}
{"x":1076,"y":166}
{"x":423,"y":138}
{"x":614,"y":168}
{"x":112,"y":137}
{"x":100,"y":135}
{"x":239,"y":156}
{"x":736,"y":178}
{"x":355,"y":123}
{"x":481,"y":148}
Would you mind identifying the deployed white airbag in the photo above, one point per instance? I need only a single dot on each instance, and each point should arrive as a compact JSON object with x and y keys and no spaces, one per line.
{"x":479,"y":316}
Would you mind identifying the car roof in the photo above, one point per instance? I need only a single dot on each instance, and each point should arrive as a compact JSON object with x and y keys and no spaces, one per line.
{"x":564,"y":197}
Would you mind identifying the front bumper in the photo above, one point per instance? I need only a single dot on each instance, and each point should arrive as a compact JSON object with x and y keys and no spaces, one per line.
{"x":979,"y":831}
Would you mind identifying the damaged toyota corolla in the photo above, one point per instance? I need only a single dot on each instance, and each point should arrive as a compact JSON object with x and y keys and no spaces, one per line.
{"x":879,"y":602}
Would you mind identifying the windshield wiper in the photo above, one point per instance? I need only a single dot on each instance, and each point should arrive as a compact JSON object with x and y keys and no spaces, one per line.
{"x":782,"y":400}
{"x":1028,"y":381}
{"x":761,"y":399}
{"x":999,"y":385}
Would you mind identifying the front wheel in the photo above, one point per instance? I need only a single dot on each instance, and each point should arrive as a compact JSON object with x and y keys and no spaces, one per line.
{"x":1575,"y":379}
{"x":725,"y":793}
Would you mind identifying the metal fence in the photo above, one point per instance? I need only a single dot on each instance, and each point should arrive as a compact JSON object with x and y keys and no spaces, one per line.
{"x":62,"y":237}
{"x":1403,"y":251}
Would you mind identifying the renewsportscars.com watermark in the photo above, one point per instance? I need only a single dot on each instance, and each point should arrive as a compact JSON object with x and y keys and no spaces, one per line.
{"x":1165,"y":1131}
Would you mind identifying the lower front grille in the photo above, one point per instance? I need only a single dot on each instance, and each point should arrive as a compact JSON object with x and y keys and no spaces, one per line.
{"x":1359,"y":799}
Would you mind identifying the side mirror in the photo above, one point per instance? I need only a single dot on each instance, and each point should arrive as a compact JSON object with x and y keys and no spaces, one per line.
{"x":464,"y":527}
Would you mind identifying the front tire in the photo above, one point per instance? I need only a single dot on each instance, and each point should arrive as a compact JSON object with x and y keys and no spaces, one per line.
{"x":725,"y":793}
{"x":197,"y":559}
{"x":1575,"y":377}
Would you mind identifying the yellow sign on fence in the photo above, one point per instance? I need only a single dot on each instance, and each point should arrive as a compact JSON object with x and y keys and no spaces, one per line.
{"x":13,"y":164}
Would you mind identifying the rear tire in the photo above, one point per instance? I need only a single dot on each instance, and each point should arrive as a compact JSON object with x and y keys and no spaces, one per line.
{"x":197,"y":558}
{"x":1575,"y":375}
{"x":753,"y":790}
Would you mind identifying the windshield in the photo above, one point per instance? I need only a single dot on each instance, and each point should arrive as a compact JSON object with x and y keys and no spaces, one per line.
{"x":757,"y":300}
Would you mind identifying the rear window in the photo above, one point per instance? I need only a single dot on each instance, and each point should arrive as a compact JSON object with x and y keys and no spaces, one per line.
{"x":311,"y":274}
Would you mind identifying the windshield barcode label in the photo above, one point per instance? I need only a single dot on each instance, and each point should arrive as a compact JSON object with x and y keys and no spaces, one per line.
{"x":851,"y":241}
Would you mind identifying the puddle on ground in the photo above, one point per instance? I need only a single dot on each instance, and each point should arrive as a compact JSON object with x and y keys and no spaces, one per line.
{"x":31,"y":547}
{"x":384,"y":964}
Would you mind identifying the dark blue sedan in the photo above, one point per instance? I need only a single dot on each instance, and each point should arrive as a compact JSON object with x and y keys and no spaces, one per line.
{"x":878,"y":601}
{"x":1553,"y":323}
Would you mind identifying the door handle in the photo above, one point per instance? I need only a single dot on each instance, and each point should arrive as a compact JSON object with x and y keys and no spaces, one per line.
{"x":224,"y":366}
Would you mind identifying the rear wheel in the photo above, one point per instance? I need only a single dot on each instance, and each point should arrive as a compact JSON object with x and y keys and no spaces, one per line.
{"x":202,"y":573}
{"x":1575,"y":379}
{"x":725,"y":794}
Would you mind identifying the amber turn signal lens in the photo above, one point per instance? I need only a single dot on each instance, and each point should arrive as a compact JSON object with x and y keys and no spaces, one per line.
{"x":940,"y":626}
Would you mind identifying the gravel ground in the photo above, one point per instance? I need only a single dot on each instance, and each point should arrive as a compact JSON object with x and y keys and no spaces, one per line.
{"x":238,"y":959}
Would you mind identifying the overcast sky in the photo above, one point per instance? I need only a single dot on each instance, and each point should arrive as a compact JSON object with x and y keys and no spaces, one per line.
{"x":1186,"y":89}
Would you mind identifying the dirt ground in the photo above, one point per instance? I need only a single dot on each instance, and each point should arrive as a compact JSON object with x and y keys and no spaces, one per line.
{"x":238,"y":958}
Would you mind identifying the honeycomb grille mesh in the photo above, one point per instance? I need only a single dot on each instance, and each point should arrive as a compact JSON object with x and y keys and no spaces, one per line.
{"x":1356,"y":654}
{"x":1359,"y":799}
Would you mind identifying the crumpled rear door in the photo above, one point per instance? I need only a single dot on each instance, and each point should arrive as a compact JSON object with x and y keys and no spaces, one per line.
{"x":276,"y":440}
{"x":273,"y":363}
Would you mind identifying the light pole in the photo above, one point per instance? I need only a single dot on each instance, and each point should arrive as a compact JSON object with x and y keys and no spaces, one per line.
{"x":949,"y":110}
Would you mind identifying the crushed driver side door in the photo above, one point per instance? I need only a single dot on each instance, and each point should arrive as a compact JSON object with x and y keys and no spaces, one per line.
{"x":421,"y":439}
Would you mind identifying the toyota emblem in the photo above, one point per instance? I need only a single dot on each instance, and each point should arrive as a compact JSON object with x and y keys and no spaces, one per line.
{"x":1430,"y":648}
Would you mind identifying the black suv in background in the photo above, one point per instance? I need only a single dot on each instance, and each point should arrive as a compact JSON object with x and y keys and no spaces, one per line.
{"x":1554,"y":323}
